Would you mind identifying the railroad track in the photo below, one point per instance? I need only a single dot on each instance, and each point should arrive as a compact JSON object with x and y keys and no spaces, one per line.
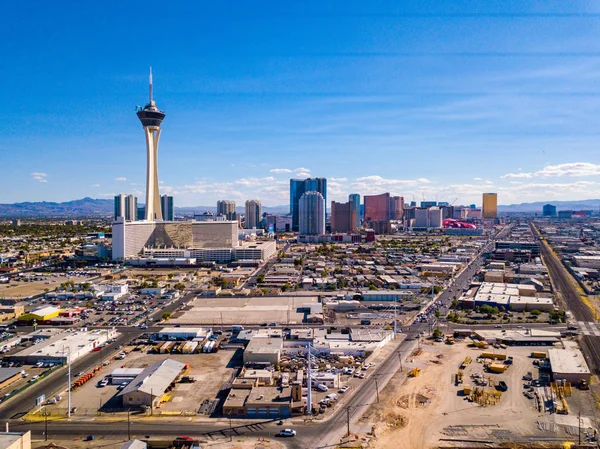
{"x":571,"y":300}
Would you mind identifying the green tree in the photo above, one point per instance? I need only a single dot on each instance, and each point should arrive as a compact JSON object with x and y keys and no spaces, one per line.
{"x":260,"y":278}
{"x":166,"y":315}
{"x":437,"y":333}
{"x":454,"y":304}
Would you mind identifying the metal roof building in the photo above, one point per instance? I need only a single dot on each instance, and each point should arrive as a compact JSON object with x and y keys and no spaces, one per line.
{"x":152,"y":383}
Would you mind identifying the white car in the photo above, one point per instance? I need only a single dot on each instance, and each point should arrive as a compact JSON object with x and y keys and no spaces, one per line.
{"x":344,"y":389}
{"x":287,"y":433}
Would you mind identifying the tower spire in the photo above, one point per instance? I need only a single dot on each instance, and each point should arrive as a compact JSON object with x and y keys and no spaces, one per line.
{"x":150,"y":79}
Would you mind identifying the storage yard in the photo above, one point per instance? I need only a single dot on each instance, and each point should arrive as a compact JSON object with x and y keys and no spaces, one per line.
{"x":207,"y":373}
{"x":487,"y":393}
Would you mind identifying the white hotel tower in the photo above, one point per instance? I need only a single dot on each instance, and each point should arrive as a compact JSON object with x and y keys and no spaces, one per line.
{"x":151,"y":118}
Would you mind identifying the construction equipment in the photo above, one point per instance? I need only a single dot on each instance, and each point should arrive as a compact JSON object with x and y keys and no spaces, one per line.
{"x":493,"y":355}
{"x":449,"y":340}
{"x":583,"y":385}
{"x":459,"y":377}
{"x":497,"y":367}
{"x":465,"y":362}
{"x":559,"y":391}
{"x":467,"y":390}
{"x":414,"y":372}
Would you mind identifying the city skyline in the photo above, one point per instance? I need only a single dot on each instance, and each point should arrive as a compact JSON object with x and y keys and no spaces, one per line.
{"x":446,"y":104}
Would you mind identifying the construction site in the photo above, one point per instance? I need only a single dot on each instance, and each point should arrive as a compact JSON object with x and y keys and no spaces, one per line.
{"x":504,"y":394}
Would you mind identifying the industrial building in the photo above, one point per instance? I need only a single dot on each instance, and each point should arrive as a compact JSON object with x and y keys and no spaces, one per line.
{"x":57,"y":348}
{"x":183,"y":333}
{"x":40,"y":315}
{"x":152,"y":383}
{"x":9,"y":376}
{"x":569,"y":364}
{"x":124,"y":375}
{"x":264,"y":350}
{"x":515,"y":297}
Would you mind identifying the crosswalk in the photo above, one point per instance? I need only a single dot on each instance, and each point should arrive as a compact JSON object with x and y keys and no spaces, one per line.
{"x":589,"y":328}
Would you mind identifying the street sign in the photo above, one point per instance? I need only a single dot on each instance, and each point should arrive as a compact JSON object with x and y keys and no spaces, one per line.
{"x":40,"y":399}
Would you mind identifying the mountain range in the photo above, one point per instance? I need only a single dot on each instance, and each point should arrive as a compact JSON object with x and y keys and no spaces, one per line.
{"x":90,"y":207}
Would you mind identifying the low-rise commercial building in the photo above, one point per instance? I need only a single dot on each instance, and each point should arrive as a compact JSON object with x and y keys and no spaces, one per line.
{"x":15,"y":440}
{"x":152,"y":383}
{"x":40,"y":315}
{"x":59,"y":347}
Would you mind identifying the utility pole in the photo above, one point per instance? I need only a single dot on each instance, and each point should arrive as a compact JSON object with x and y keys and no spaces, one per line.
{"x":45,"y":425}
{"x":309,"y":384}
{"x":377,"y":389}
{"x":128,"y":425}
{"x":348,"y":419}
{"x":579,"y":420}
{"x":400,"y":359}
{"x":395,"y":324}
{"x":69,"y":383}
{"x":230,"y":430}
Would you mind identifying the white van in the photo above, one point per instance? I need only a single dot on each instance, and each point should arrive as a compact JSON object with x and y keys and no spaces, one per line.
{"x":322,"y":387}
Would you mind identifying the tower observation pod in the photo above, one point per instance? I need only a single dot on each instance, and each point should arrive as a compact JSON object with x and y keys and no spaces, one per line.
{"x":151,"y":118}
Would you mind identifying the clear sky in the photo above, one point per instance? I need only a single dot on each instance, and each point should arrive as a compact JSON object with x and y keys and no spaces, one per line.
{"x":434,"y":99}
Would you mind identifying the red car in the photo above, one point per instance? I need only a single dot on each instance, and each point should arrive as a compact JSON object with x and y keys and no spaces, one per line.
{"x":96,"y":349}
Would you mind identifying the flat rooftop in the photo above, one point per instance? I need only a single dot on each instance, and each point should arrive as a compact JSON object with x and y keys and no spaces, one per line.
{"x":568,"y":361}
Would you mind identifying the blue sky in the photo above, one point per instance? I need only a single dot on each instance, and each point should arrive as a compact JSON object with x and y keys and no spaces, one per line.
{"x":423,"y":99}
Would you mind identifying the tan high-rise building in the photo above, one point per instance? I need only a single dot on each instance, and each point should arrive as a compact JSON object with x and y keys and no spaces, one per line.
{"x":253,"y":214}
{"x":490,"y":205}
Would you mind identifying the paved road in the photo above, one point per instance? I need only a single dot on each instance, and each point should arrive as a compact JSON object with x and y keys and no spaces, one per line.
{"x":57,"y":381}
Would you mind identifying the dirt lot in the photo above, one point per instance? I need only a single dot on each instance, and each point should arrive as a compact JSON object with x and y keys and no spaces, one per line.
{"x":251,"y":310}
{"x":209,"y":370}
{"x":22,"y":289}
{"x":421,"y":410}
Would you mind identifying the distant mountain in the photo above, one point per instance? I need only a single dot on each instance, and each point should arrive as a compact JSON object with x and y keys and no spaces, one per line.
{"x":560,"y":205}
{"x":86,"y":207}
{"x":90,"y":207}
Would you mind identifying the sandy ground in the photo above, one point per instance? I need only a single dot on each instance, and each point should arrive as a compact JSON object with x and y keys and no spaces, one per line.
{"x":418,"y":411}
{"x":24,"y":289}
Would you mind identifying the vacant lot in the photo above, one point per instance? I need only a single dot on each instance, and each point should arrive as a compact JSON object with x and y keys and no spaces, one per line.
{"x":22,"y":289}
{"x":421,"y":410}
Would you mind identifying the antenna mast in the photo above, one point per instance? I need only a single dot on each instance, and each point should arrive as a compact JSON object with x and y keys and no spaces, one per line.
{"x":150,"y":78}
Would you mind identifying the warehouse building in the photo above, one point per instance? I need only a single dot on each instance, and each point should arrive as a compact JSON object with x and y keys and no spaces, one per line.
{"x":149,"y":387}
{"x":264,"y":350}
{"x":121,"y":376}
{"x":40,"y":315}
{"x":9,"y":376}
{"x":57,"y":348}
{"x":569,"y":364}
{"x":183,"y":333}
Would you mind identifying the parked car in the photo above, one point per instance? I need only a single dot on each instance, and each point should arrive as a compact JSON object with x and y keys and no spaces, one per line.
{"x":287,"y":433}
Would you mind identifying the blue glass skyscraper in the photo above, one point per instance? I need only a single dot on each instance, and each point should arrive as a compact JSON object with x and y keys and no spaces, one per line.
{"x":299,"y":187}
